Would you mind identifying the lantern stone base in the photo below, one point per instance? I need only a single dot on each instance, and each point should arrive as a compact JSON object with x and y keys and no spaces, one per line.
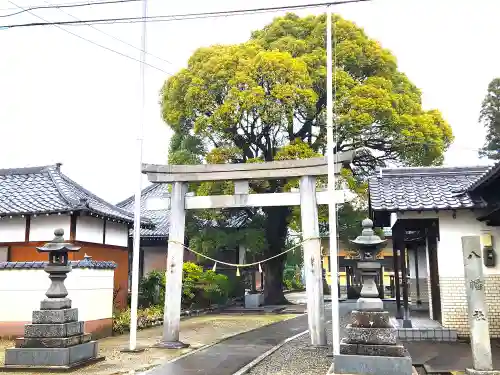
{"x":70,"y":357}
{"x":54,"y":340}
{"x":372,"y":365}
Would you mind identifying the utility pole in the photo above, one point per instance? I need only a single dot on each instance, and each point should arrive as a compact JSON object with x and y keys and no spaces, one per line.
{"x":332,"y":212}
{"x":137,"y":202}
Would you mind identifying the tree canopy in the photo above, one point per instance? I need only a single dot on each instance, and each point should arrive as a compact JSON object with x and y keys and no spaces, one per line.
{"x":490,"y":117}
{"x":265,"y":100}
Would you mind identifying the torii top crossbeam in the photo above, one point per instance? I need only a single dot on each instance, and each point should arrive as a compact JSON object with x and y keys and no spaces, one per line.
{"x":244,"y":171}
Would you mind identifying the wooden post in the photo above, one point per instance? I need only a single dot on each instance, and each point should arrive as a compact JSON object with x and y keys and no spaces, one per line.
{"x":395,"y":251}
{"x":477,"y":307}
{"x":417,"y":281}
{"x":175,"y":259}
{"x":404,"y":278}
{"x":312,"y":260}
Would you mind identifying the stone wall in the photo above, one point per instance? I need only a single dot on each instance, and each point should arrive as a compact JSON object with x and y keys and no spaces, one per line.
{"x":454,"y":304}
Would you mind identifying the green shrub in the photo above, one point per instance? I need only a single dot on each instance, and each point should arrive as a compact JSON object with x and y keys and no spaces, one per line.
{"x":203,"y":288}
{"x":291,"y":278}
{"x":199,"y":288}
{"x":152,"y":289}
{"x":146,"y":317}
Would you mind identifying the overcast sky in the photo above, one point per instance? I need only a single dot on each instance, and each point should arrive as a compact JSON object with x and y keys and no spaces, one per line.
{"x":63,"y":99}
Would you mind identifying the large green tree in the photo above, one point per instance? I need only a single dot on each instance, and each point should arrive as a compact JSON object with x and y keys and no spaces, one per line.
{"x":490,"y":117}
{"x":265,"y":99}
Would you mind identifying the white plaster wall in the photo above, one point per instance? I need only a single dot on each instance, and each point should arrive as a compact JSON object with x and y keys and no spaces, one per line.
{"x":21,"y":291}
{"x":42,"y":227}
{"x":89,"y":229}
{"x":422,"y":263}
{"x":155,"y":258}
{"x":116,"y":234}
{"x":451,"y":231}
{"x":12,"y":230}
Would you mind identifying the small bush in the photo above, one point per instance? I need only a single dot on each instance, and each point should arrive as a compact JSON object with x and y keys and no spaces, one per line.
{"x":152,"y":289}
{"x":145,"y":318}
{"x":199,"y":288}
{"x":203,"y":288}
{"x":292,"y":278}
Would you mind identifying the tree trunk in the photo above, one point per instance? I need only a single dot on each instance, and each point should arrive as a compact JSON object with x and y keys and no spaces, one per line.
{"x":276,"y":231}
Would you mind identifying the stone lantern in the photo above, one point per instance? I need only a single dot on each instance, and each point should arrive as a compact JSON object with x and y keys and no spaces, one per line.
{"x":370,"y":345}
{"x":57,"y":268}
{"x":369,"y":246}
{"x":55,"y":339}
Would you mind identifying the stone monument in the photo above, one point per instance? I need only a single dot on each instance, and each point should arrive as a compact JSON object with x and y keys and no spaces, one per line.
{"x":477,"y":308}
{"x":370,"y":346}
{"x":55,"y":339}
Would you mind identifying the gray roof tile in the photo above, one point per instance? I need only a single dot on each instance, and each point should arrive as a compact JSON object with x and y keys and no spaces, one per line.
{"x":85,"y":263}
{"x":45,"y":190}
{"x":492,"y":172}
{"x":426,"y":188}
{"x":159,"y":218}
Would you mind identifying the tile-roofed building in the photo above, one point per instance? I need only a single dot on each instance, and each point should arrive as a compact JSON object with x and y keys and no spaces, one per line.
{"x":154,"y":200}
{"x":158,"y":216}
{"x":439,"y":206}
{"x":35,"y":201}
{"x":492,"y":173}
{"x":423,"y":189}
{"x":45,"y":190}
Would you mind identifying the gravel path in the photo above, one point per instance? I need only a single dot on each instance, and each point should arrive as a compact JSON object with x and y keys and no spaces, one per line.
{"x":298,"y":358}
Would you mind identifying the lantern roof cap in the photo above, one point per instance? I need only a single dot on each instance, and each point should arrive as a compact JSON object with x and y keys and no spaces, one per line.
{"x":58,"y":244}
{"x":368,"y":237}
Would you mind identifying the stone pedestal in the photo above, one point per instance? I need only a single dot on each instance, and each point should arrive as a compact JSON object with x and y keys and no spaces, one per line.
{"x":370,"y":346}
{"x":55,"y":339}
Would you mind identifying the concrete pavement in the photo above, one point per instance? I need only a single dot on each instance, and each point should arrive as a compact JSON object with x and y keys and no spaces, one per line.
{"x":228,"y":356}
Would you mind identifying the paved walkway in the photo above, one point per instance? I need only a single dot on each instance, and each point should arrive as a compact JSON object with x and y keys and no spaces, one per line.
{"x":228,"y":356}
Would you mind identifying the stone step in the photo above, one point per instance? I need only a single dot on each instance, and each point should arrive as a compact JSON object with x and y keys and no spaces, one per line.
{"x":57,"y":342}
{"x":370,"y":319}
{"x":373,"y":350}
{"x":357,"y":335}
{"x":51,"y":357}
{"x":53,"y":330}
{"x":372,"y":365}
{"x":55,"y":316}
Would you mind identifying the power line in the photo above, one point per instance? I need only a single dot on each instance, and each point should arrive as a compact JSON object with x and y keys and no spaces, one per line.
{"x":114,"y":37}
{"x":73,"y":5}
{"x":94,"y":43}
{"x":185,"y":16}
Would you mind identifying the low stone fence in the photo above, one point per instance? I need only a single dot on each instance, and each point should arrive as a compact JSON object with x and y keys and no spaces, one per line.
{"x":23,"y":286}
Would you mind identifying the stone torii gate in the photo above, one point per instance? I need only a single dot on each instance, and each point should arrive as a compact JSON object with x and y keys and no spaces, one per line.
{"x":307,"y":197}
